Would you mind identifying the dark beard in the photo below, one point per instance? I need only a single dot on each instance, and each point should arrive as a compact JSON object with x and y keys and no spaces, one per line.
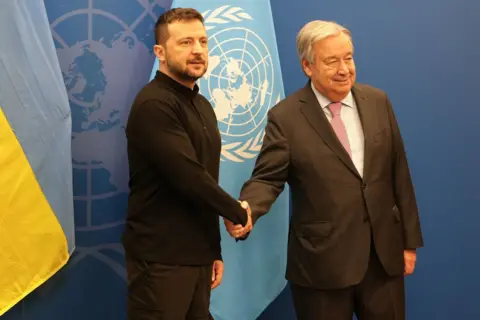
{"x":181,"y":74}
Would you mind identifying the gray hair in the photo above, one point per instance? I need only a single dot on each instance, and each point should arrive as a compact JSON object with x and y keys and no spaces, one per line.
{"x":315,"y":31}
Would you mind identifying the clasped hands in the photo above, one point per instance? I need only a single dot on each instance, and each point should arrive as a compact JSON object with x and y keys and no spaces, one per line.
{"x":237,"y":230}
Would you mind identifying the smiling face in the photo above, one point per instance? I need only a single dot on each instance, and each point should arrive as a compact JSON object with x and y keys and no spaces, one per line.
{"x":332,"y":70}
{"x":184,"y":56}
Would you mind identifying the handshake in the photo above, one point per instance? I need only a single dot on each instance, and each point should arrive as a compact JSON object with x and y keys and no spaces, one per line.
{"x":239,"y":231}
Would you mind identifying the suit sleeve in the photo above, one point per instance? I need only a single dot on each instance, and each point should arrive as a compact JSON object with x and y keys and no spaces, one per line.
{"x":403,"y":187}
{"x":270,"y":173}
{"x":156,"y":131}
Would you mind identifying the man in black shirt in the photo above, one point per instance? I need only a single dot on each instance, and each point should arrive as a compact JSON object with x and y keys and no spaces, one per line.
{"x":172,"y":235}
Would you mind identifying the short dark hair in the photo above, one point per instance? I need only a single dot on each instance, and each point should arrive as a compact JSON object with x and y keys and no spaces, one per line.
{"x":174,"y":15}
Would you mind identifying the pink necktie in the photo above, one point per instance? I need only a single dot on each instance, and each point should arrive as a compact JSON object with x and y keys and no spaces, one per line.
{"x":338,"y":125}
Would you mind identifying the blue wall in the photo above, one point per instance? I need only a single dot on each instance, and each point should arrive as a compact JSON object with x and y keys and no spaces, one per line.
{"x":425,"y":54}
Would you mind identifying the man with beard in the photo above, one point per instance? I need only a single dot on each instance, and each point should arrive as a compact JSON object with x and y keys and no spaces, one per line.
{"x":172,"y":235}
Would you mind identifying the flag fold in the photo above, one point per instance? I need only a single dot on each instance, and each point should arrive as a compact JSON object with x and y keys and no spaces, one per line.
{"x":36,"y":201}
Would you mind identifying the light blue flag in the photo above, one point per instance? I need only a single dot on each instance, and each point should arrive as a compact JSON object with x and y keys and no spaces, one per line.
{"x":36,"y":200}
{"x":243,"y":82}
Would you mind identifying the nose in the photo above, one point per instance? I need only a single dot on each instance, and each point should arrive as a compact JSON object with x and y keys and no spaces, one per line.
{"x":197,"y":47}
{"x":342,"y":68}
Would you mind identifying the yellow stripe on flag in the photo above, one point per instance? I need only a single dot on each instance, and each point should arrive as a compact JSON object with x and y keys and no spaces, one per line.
{"x":33,"y":245}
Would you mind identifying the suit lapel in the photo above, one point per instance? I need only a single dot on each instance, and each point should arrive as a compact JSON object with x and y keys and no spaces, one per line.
{"x":315,"y":116}
{"x":366,"y":112}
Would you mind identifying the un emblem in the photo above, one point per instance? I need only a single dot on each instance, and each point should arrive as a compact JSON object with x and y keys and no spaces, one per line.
{"x":239,"y":82}
{"x":105,"y":53}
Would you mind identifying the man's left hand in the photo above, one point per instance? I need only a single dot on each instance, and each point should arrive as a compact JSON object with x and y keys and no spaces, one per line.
{"x":410,"y":259}
{"x":217,"y":273}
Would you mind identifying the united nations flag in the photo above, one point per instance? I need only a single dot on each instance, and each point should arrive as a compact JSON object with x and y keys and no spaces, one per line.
{"x":242,"y":83}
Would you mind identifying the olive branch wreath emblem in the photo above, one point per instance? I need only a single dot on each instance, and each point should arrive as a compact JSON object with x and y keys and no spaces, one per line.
{"x":234,"y":151}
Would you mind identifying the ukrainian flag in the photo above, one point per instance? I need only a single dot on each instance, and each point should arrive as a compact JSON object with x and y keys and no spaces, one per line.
{"x":36,"y":199}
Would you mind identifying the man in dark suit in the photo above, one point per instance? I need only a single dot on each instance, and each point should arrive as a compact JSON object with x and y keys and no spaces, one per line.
{"x":354,"y":228}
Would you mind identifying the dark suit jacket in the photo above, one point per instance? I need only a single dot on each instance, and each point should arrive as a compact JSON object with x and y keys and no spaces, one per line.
{"x":336,"y":213}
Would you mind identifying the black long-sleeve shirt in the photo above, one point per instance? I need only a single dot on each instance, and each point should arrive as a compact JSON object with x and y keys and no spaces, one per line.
{"x":174,"y":157}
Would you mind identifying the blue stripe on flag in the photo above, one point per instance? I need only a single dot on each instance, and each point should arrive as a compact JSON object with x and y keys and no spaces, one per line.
{"x":34,"y":99}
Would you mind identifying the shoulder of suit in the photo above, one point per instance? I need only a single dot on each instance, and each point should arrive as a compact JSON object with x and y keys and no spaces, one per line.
{"x":369,"y":90}
{"x":289,"y":104}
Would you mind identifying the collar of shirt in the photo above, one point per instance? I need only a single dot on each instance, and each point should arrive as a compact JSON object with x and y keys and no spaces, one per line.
{"x":176,"y":86}
{"x":324,"y":101}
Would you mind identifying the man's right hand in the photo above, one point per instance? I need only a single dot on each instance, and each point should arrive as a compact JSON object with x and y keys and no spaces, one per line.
{"x":239,"y":231}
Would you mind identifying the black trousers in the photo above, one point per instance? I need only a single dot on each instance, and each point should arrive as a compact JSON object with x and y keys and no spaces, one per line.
{"x":377,"y":297}
{"x":165,"y":292}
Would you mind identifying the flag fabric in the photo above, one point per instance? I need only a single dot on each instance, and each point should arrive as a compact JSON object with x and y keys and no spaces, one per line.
{"x":242,"y":83}
{"x":36,"y":202}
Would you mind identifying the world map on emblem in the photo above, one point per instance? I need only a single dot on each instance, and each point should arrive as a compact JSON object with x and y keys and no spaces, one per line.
{"x":105,"y":54}
{"x":239,"y":82}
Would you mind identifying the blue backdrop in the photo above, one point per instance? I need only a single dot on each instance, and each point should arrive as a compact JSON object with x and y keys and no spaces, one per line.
{"x":423,"y":53}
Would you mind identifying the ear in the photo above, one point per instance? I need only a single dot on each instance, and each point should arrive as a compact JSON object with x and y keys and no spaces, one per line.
{"x":307,"y":68}
{"x":159,"y":51}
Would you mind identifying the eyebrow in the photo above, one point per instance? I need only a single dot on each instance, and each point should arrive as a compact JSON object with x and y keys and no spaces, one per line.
{"x":192,"y":38}
{"x":335,"y":57}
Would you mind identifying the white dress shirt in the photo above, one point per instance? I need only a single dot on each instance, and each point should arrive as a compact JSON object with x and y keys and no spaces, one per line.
{"x":351,"y":119}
